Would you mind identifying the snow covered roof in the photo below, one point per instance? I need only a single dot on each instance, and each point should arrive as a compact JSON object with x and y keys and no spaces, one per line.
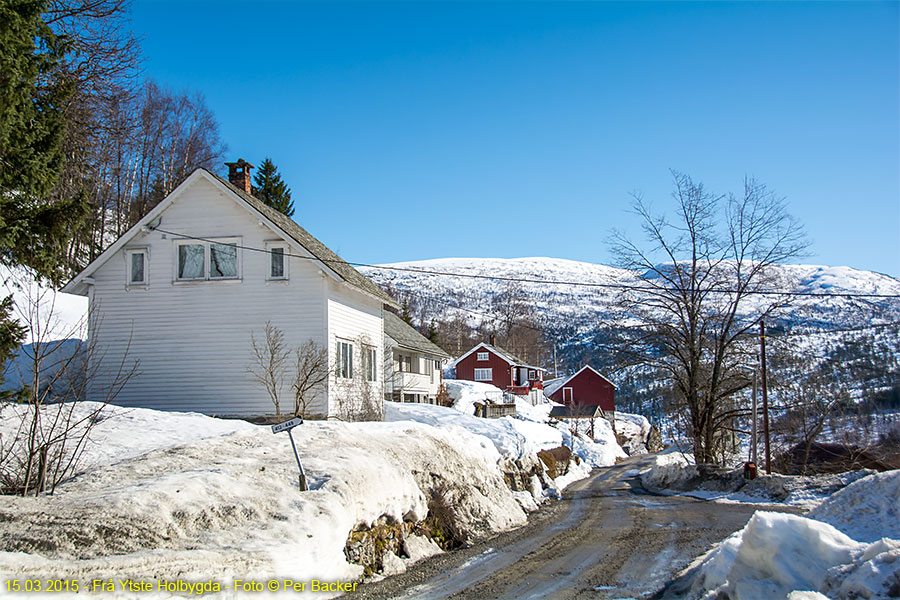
{"x":406,"y":336}
{"x":551,"y":386}
{"x":275,"y":219}
{"x":509,"y":357}
{"x":579,"y":411}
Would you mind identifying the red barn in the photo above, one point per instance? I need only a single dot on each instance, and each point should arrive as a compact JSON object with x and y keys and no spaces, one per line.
{"x":502,"y":369}
{"x":587,"y":387}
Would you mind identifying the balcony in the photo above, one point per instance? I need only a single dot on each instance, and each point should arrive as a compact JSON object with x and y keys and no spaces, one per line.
{"x":524,"y":390}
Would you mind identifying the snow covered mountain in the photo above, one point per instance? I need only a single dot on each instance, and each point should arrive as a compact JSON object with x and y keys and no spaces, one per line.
{"x":458,"y":283}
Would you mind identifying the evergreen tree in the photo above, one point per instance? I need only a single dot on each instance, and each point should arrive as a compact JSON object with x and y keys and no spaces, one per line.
{"x":404,"y":312}
{"x":271,"y":189}
{"x":35,"y":229}
{"x":432,"y":333}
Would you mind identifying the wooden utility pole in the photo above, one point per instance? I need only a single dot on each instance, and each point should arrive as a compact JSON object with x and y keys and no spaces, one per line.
{"x":753,"y":436}
{"x":765,"y":395}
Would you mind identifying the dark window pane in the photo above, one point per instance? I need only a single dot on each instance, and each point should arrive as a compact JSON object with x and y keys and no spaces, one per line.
{"x":191,"y":259}
{"x":277,"y":255}
{"x":137,"y":267}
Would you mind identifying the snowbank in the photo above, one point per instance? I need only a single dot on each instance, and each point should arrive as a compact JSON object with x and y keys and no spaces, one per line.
{"x":228,"y":506}
{"x":515,"y":438}
{"x":777,"y":554}
{"x":466,"y":393}
{"x":866,"y":510}
{"x":780,"y":555}
{"x":633,"y":430}
{"x":512,"y":438}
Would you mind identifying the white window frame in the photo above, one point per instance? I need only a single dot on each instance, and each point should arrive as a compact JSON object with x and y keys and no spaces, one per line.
{"x":273,"y":245}
{"x":370,"y":360}
{"x":207,"y":255}
{"x":571,"y":395}
{"x":340,"y":371}
{"x":129,"y":252}
{"x":489,"y":373}
{"x":483,"y":356}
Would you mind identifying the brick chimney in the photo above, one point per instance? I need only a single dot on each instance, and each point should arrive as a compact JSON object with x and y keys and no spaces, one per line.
{"x":239,"y":174}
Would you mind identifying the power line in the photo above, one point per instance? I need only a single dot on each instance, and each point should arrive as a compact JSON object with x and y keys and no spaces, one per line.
{"x":619,"y":286}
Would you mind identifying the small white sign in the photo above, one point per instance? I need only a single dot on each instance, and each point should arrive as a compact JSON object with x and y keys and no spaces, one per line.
{"x":287,"y":425}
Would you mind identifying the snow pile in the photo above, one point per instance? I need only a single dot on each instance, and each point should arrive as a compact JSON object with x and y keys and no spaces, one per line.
{"x":121,"y":433}
{"x":512,"y":438}
{"x":466,"y":393}
{"x":866,"y":510}
{"x":777,"y":554}
{"x":669,"y":471}
{"x":515,"y":438}
{"x":602,"y":451}
{"x":633,"y":430}
{"x":229,"y":507}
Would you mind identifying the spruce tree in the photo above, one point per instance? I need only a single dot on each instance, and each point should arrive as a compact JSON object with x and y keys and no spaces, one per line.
{"x":35,"y":227}
{"x":271,"y":189}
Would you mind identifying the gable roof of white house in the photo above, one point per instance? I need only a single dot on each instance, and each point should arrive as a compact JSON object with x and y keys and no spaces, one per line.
{"x":550,"y":387}
{"x":504,"y":354}
{"x":277,"y":221}
{"x":406,"y":336}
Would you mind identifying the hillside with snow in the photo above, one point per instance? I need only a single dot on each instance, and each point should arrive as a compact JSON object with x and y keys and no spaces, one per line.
{"x":580,"y":293}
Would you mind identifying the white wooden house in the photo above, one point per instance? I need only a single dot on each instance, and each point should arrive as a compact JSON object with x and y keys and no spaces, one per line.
{"x":412,"y":363}
{"x":183,"y":290}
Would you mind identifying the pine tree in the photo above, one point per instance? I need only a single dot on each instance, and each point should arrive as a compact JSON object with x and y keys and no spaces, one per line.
{"x":271,"y":189}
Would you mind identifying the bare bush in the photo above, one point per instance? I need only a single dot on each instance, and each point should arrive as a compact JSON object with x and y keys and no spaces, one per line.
{"x":50,"y":416}
{"x":310,"y":376}
{"x":270,"y":355}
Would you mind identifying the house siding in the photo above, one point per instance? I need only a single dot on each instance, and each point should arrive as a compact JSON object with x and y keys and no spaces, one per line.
{"x":588,"y":388}
{"x":501,"y":374}
{"x":355,"y":317}
{"x":192,"y":340}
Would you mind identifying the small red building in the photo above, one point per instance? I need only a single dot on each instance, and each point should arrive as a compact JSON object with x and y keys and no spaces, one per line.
{"x":587,"y":387}
{"x":494,"y":365}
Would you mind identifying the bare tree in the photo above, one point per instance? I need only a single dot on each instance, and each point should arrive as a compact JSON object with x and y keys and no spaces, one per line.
{"x":269,"y":359}
{"x":57,"y":372}
{"x":699,"y":271}
{"x":310,"y":375}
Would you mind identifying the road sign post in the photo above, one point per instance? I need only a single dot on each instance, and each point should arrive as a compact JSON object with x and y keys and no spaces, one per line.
{"x":287,"y":426}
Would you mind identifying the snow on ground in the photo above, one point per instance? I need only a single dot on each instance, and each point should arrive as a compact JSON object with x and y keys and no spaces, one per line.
{"x":634,"y":431}
{"x":855,"y":554}
{"x":776,"y":554}
{"x":533,"y":431}
{"x":866,"y":510}
{"x":121,"y":433}
{"x":59,"y":315}
{"x":197,"y":498}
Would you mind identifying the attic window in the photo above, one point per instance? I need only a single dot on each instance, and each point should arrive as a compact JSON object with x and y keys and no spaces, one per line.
{"x":136,"y":267}
{"x":482,"y":356}
{"x":278,"y":264}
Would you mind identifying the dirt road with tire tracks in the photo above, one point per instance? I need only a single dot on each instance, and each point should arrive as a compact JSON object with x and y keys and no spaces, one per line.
{"x":606,"y":538}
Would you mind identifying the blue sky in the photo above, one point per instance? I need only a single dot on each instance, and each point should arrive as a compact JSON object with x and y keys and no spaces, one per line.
{"x":425,"y":130}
